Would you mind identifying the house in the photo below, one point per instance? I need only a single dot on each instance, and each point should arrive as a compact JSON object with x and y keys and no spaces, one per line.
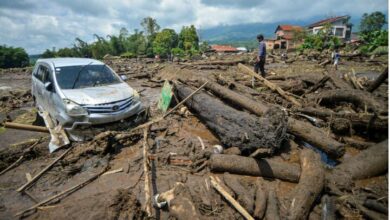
{"x":223,"y":49}
{"x":340,"y":27}
{"x":285,"y":36}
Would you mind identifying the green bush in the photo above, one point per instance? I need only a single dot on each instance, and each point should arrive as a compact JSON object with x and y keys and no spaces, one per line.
{"x":11,"y":57}
{"x":128,"y":55}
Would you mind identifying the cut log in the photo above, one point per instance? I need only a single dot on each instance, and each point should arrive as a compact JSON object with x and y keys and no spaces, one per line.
{"x":270,"y":85}
{"x":260,"y":202}
{"x":244,"y":196}
{"x":237,"y":128}
{"x":272,"y":206}
{"x":378,"y":81}
{"x":368,"y":163}
{"x":360,"y":99}
{"x":268,"y":168}
{"x":316,"y":137}
{"x":255,"y":107}
{"x":311,"y":183}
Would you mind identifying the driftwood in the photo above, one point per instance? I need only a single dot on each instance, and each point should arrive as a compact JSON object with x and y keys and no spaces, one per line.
{"x":378,"y":81}
{"x":368,"y":163}
{"x":325,"y":62}
{"x":249,"y":166}
{"x":316,"y":137}
{"x":361,"y":145}
{"x":269,"y":84}
{"x":216,"y":62}
{"x":237,"y":128}
{"x":230,"y":199}
{"x":139,"y":75}
{"x":36,"y":177}
{"x":339,"y":83}
{"x":310,"y":185}
{"x":148,"y":200}
{"x":319,"y":84}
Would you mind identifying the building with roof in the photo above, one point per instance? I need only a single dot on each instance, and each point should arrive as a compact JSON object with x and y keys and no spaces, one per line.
{"x":340,"y":27}
{"x":224,"y":49}
{"x":284,"y":37}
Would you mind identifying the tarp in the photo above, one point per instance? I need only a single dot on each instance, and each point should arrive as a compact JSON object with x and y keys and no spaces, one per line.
{"x":166,"y":97}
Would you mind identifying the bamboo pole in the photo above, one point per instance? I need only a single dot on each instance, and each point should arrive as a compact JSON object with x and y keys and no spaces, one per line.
{"x":25,"y":127}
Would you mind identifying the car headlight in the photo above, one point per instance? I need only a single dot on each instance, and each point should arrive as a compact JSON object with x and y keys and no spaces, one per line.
{"x":135,"y":94}
{"x":74,"y":109}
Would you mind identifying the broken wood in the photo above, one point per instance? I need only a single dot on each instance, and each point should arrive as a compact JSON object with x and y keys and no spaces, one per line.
{"x":65,"y":192}
{"x":237,"y":128}
{"x":148,"y":200}
{"x":216,"y":62}
{"x":311,"y":183}
{"x":368,"y":163}
{"x":270,"y":85}
{"x":230,"y":199}
{"x":339,"y":83}
{"x":378,"y":81}
{"x":268,"y":168}
{"x":316,"y":137}
{"x":243,"y":196}
{"x":325,"y":62}
{"x":36,"y":177}
{"x":26,"y":127}
{"x":318,"y":85}
{"x":361,"y":145}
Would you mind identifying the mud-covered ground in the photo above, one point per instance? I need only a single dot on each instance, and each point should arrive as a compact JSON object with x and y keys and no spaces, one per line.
{"x":173,"y":142}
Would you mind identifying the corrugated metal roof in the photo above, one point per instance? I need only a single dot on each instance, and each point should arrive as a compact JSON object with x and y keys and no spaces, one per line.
{"x":328,"y":20}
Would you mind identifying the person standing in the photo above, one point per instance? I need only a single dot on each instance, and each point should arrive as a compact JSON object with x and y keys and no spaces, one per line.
{"x":260,"y":59}
{"x":336,"y":58}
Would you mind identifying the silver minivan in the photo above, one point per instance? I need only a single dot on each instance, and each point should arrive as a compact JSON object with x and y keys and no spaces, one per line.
{"x":78,"y":92}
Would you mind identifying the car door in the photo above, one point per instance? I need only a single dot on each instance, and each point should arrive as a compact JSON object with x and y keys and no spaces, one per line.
{"x":49,"y":95}
{"x":38,"y":87}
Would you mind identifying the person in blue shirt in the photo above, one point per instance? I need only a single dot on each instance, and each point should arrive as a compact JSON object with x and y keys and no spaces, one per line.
{"x":260,"y":59}
{"x":336,"y":58}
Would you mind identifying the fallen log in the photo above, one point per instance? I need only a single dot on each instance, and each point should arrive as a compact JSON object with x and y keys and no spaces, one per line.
{"x":260,"y":202}
{"x":216,"y":62}
{"x":325,"y":62}
{"x":255,"y":107}
{"x":230,"y":199}
{"x":319,"y":84}
{"x":311,"y":183}
{"x":26,"y":127}
{"x":359,"y":98}
{"x":316,"y":137}
{"x":359,"y":121}
{"x":237,"y":128}
{"x":269,"y":84}
{"x":249,"y":166}
{"x":361,"y":145}
{"x":272,"y":206}
{"x":378,"y":81}
{"x":339,"y":83}
{"x":147,"y":191}
{"x":244,"y":196}
{"x":368,"y":163}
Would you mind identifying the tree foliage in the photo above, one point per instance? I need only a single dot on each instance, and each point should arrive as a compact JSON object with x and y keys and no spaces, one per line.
{"x":164,"y":42}
{"x":372,"y":22}
{"x":11,"y":57}
{"x":324,"y":39}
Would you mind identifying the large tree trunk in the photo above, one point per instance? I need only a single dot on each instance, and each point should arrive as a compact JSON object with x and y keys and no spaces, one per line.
{"x":368,"y":163}
{"x":310,"y":185}
{"x":237,"y":128}
{"x":381,"y":78}
{"x":249,"y":166}
{"x":316,"y":137}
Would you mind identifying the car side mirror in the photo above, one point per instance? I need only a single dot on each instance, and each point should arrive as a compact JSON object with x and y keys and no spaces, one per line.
{"x":123,"y":77}
{"x":49,"y":86}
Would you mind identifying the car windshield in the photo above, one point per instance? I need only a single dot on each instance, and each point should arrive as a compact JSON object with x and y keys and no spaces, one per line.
{"x":69,"y":77}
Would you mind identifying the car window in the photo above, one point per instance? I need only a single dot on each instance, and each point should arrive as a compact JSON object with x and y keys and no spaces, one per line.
{"x":85,"y":76}
{"x":39,"y":73}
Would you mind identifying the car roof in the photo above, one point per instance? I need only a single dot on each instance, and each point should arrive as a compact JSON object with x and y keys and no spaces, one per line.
{"x":71,"y":61}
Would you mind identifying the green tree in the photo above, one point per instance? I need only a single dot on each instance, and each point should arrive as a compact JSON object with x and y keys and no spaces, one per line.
{"x":204,"y":47}
{"x":82,"y":48}
{"x":48,"y":54}
{"x":150,"y":26}
{"x":372,"y":22}
{"x":188,"y":39}
{"x":66,"y":52}
{"x":11,"y":57}
{"x":100,"y":48}
{"x":164,"y":42}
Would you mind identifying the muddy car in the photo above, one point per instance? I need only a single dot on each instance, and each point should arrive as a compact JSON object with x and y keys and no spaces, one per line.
{"x":79,"y":92}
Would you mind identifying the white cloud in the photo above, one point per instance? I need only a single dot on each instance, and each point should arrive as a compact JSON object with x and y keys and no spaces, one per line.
{"x":37,"y":25}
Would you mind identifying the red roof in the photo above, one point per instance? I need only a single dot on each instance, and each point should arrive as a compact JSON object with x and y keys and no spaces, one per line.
{"x":289,"y":28}
{"x":223,"y":48}
{"x":328,"y":20}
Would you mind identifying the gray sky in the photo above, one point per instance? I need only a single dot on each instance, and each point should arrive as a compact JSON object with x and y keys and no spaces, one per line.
{"x":39,"y":24}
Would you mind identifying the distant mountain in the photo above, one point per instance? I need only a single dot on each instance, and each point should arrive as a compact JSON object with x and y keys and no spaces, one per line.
{"x":247,"y":32}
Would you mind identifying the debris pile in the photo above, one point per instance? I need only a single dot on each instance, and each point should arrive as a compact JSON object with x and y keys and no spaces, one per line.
{"x":302,"y":143}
